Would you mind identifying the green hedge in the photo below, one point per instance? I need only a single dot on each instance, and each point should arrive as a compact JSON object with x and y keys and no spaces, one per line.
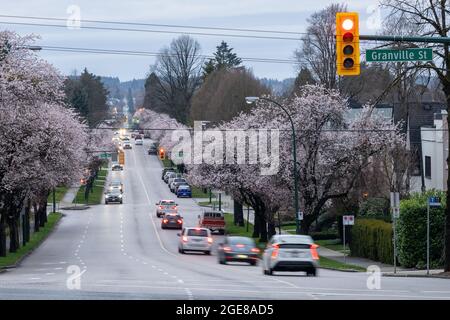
{"x":372,"y":239}
{"x":412,"y":231}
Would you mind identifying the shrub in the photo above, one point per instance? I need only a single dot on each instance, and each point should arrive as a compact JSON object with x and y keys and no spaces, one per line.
{"x":412,"y":231}
{"x":375,"y":208}
{"x":324,"y":235}
{"x":372,"y":239}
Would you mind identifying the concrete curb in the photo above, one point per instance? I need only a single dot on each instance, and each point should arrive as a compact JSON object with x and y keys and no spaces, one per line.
{"x":333,"y":269}
{"x":18,"y":262}
{"x":416,"y":276}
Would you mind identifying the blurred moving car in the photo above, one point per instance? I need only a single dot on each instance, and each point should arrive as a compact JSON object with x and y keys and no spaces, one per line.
{"x":127,"y":144}
{"x":172,"y":220}
{"x":195,"y":239}
{"x":116,"y":167}
{"x":165,"y":206}
{"x":212,"y":220}
{"x":175,"y":183}
{"x":116,"y":184}
{"x":138,"y":142}
{"x":113,"y":196}
{"x":240,"y":249}
{"x":166,"y":170}
{"x":184,"y":191}
{"x":290,"y":253}
{"x":152,"y":149}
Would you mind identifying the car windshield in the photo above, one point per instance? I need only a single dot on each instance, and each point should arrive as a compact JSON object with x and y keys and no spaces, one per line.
{"x":184,"y":187}
{"x":241,"y":240}
{"x":179,"y":180}
{"x":197,"y":233}
{"x":114,"y":192}
{"x":167,"y":203}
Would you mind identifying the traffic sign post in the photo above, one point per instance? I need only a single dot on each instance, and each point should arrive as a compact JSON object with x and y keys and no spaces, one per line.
{"x":431,"y":202}
{"x":399,"y":55}
{"x":346,"y":221}
{"x":395,"y":208}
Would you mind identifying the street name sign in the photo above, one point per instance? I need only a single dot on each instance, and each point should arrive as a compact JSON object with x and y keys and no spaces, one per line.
{"x":395,"y":55}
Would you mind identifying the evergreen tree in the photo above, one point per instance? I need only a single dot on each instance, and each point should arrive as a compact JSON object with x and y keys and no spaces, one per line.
{"x":130,"y":102}
{"x":224,"y":58}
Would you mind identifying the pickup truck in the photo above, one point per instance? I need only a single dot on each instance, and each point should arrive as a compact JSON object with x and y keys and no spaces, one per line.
{"x":212,"y":220}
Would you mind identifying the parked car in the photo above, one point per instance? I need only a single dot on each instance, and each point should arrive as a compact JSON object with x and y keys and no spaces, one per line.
{"x":195,"y":239}
{"x":116,"y":167}
{"x":175,"y":183}
{"x":241,"y":249}
{"x":290,"y":253}
{"x":165,"y":170}
{"x":138,"y":142}
{"x":212,"y":220}
{"x":169,"y":175}
{"x":172,"y":220}
{"x":165,"y":206}
{"x":184,"y":190}
{"x":152,"y":149}
{"x":113,"y":196}
{"x":173,"y":177}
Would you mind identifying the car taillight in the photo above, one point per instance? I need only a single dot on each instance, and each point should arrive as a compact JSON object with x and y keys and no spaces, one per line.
{"x":161,"y":207}
{"x":180,"y":221}
{"x":227,"y":249}
{"x":210,"y":240}
{"x":165,"y":220}
{"x":185,"y":239}
{"x":275,"y":246}
{"x":274,"y":253}
{"x":255,"y":250}
{"x":314,"y":253}
{"x":174,"y":207}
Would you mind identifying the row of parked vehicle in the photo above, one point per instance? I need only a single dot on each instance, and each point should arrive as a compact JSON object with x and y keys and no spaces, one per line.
{"x":177,"y":183}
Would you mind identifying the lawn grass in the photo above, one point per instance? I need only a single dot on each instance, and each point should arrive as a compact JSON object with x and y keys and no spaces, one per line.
{"x":198,"y":193}
{"x":208,"y":204}
{"x":335,"y":245}
{"x":59,"y":194}
{"x":95,"y":197}
{"x":35,"y":241}
{"x":333,"y":264}
{"x":167,"y":163}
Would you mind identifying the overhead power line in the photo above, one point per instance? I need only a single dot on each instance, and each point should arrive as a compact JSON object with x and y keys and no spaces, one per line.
{"x":154,"y":54}
{"x":155,"y":25}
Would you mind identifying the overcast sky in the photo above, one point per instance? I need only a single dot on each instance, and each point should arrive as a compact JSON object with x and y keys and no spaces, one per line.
{"x":280,"y":15}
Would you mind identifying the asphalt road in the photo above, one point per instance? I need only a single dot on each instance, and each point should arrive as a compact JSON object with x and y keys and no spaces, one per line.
{"x":122,"y":253}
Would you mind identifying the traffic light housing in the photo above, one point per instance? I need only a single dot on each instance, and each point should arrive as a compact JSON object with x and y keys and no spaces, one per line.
{"x":162,"y":154}
{"x":347,"y":44}
{"x":121,"y":157}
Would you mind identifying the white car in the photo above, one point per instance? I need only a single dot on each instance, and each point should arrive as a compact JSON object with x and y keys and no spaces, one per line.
{"x":290,"y":253}
{"x":195,"y":239}
{"x":138,"y":142}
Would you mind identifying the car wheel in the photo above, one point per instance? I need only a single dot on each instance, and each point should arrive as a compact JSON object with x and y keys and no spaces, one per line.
{"x":311,"y":273}
{"x":253,"y":263}
{"x":270,"y":272}
{"x":106,"y":202}
{"x":208,"y":252}
{"x":181,"y":251}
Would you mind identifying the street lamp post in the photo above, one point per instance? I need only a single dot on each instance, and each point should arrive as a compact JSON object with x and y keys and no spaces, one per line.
{"x":251,"y":100}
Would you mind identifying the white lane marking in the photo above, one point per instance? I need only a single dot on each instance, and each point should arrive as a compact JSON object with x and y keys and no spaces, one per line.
{"x":50,"y":273}
{"x":35,"y":278}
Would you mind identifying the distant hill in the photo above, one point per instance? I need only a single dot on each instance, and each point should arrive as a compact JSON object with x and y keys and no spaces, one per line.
{"x":279,"y":87}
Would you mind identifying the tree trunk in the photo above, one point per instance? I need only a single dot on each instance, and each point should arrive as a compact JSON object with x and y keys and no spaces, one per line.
{"x":36,"y":217}
{"x":238,"y":213}
{"x":43,"y":209}
{"x":26,"y":225}
{"x":263,"y":228}
{"x":271,"y":231}
{"x":14,"y":241}
{"x":256,"y":226}
{"x":3,"y":234}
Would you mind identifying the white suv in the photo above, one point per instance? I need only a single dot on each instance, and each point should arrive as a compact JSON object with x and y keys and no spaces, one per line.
{"x":195,"y":239}
{"x":290,"y":253}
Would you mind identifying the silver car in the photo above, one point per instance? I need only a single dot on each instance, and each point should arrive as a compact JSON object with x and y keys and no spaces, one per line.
{"x":165,"y":206}
{"x":290,"y":253}
{"x":195,"y":239}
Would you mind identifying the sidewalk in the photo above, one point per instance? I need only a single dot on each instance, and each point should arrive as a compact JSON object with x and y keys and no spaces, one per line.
{"x":66,"y":202}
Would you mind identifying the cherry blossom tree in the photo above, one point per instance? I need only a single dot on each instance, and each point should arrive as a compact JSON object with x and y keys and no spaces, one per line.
{"x":41,"y":140}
